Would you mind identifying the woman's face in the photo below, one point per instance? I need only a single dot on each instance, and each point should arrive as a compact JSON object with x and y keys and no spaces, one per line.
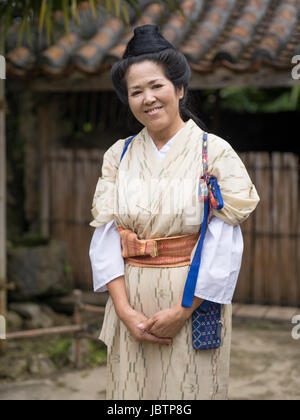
{"x":148,"y":89}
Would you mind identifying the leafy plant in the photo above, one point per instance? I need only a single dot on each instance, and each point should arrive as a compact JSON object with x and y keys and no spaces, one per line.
{"x":96,"y":356}
{"x":58,"y":351}
{"x":254,"y":99}
{"x":30,"y":240}
{"x":67,"y":268}
{"x":24,"y":13}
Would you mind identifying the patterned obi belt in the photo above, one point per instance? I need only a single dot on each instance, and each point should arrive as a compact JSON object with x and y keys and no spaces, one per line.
{"x":173,"y":251}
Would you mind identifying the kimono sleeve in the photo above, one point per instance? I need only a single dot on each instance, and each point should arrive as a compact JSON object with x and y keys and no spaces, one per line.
{"x":106,"y":265}
{"x":238,"y":191}
{"x":104,"y":198}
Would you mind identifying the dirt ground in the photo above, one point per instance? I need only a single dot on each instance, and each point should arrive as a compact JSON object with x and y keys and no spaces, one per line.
{"x":265,"y":362}
{"x":265,"y":365}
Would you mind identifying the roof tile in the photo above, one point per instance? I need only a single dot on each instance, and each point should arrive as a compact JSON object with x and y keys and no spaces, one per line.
{"x":240,"y":35}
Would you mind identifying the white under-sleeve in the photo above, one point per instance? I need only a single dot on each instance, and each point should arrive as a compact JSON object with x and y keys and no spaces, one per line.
{"x":106,"y":256}
{"x":221,"y":260}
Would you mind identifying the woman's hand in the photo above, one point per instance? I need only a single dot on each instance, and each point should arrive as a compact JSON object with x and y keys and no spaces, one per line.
{"x":168,"y":322}
{"x":165,"y":323}
{"x":129,"y":316}
{"x":132,"y":318}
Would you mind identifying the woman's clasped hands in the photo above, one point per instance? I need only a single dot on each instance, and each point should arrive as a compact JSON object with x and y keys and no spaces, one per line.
{"x":164,"y":325}
{"x":161,"y":328}
{"x":168,"y":322}
{"x":133,"y":320}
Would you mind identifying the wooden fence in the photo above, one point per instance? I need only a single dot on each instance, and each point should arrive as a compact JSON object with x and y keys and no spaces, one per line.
{"x":271,"y":260}
{"x":73,"y":178}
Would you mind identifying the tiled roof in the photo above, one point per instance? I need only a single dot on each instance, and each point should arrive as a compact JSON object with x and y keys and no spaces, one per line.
{"x":241,"y":35}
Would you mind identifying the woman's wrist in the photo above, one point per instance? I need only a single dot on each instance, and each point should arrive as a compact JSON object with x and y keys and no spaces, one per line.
{"x":117,"y":291}
{"x":124,"y":311}
{"x":185,"y":313}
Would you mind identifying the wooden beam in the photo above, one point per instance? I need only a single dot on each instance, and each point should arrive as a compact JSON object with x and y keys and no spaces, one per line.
{"x":76,"y":82}
{"x":219,"y":78}
{"x":265,"y":77}
{"x":46,"y":331}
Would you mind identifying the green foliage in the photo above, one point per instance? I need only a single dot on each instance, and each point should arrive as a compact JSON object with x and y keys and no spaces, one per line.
{"x":26,"y":12}
{"x":67,"y":268}
{"x":96,"y":356}
{"x":59,"y":350}
{"x":254,"y":99}
{"x":29,"y":240}
{"x":88,"y":127}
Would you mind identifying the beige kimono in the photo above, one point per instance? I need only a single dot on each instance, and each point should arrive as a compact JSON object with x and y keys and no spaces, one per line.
{"x":159,"y":200}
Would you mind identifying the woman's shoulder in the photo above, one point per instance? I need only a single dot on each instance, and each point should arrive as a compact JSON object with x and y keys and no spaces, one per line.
{"x":217,"y":143}
{"x":220,"y":152}
{"x":115,"y":150}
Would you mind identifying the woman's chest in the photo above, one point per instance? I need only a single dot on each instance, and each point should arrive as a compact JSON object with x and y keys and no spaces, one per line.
{"x":168,"y":188}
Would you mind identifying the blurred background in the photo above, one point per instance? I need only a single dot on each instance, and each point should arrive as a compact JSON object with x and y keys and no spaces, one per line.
{"x":59,"y":114}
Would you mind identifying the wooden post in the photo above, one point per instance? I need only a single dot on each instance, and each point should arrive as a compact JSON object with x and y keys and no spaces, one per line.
{"x":49,"y":129}
{"x":2,"y":203}
{"x":77,"y":321}
{"x":44,"y":130}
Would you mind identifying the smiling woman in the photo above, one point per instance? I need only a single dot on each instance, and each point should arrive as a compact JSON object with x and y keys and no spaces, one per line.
{"x":146,"y":238}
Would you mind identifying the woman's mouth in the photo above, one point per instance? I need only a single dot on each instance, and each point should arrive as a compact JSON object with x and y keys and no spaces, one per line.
{"x":153,"y":111}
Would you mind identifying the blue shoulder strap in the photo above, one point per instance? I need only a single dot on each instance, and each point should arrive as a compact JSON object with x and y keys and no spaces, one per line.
{"x":191,"y":281}
{"x":126,"y":146}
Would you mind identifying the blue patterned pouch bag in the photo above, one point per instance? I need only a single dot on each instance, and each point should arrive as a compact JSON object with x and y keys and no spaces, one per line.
{"x":207,"y":326}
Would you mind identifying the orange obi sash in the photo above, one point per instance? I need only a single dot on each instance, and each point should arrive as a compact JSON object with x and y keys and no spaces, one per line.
{"x":173,"y":251}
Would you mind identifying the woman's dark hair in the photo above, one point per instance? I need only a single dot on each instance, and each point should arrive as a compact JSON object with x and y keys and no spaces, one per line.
{"x":176,"y":69}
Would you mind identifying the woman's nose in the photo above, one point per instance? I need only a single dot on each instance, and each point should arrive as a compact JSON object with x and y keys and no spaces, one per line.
{"x":149,"y":97}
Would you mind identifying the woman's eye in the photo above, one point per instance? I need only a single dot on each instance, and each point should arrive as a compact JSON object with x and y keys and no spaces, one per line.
{"x":137,"y":92}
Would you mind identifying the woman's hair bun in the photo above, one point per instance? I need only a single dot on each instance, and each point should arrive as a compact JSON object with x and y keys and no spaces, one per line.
{"x":146,"y":40}
{"x":146,"y":29}
{"x":150,"y":29}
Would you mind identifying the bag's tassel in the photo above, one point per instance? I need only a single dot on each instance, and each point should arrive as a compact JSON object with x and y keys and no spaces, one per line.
{"x":202,"y":190}
{"x":208,"y":188}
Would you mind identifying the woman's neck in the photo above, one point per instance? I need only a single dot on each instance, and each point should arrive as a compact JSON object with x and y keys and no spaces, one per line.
{"x":162,"y":137}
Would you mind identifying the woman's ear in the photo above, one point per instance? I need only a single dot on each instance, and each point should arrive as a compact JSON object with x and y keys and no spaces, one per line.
{"x":181,"y":92}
